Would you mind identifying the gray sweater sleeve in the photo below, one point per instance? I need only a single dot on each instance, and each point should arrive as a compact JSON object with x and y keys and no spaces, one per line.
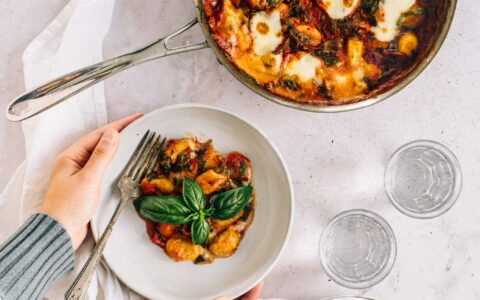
{"x":35,"y":257}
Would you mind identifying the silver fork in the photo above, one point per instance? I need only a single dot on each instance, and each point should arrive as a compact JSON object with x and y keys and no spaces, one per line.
{"x":141,"y":163}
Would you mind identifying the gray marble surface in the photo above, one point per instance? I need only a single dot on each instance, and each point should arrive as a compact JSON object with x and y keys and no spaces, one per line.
{"x":336,"y":160}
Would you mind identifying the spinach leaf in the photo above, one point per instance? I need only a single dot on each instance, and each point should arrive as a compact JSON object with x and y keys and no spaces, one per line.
{"x":369,"y":6}
{"x":193,"y":195}
{"x":229,"y":203}
{"x":164,"y":209}
{"x":287,"y":84}
{"x":296,"y":10}
{"x":272,"y":3}
{"x":200,"y":230}
{"x":416,"y":12}
{"x":329,"y":57}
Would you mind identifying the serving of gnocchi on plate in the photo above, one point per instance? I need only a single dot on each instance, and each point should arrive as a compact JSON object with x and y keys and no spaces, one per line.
{"x":197,"y":204}
{"x":218,"y":206}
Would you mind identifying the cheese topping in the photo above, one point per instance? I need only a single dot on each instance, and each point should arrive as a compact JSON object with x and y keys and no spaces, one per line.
{"x":348,"y":81}
{"x":272,"y":61}
{"x":387,"y":24}
{"x":264,"y":68}
{"x":339,"y":9}
{"x":324,"y":52}
{"x":233,"y":16}
{"x":266,"y":32}
{"x":234,"y":25}
{"x":304,"y":68}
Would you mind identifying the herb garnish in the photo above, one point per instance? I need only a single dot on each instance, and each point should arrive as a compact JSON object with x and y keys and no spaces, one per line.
{"x":191,"y":207}
{"x":328,"y":56}
{"x":272,"y":3}
{"x":296,"y":9}
{"x":288,"y":84}
{"x":369,"y":8}
{"x":416,"y":12}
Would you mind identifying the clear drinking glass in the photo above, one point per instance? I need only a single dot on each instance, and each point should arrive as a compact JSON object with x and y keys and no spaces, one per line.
{"x":358,"y":249}
{"x":423,"y":179}
{"x":346,"y":298}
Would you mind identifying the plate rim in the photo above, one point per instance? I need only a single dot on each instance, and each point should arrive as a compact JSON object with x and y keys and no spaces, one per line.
{"x":277,"y":153}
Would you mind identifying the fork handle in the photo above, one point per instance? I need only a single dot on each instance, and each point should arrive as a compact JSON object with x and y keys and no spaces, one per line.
{"x":78,"y":289}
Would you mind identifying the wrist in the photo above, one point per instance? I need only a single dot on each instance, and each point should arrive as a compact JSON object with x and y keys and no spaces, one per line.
{"x":75,"y":234}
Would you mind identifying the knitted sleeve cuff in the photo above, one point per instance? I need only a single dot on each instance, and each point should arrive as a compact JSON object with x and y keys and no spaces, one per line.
{"x":35,"y":257}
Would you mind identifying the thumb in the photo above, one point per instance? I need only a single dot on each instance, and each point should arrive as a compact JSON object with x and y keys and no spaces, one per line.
{"x":254,"y":293}
{"x":102,"y":154}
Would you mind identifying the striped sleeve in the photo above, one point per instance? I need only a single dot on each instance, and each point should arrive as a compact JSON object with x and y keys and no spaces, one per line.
{"x":35,"y":257}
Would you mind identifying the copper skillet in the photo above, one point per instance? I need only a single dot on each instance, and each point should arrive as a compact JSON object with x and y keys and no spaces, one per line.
{"x":64,"y":87}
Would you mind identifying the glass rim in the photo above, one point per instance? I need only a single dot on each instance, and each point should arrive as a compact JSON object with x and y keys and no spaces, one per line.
{"x":346,"y":298}
{"x":386,"y":268}
{"x":457,"y":178}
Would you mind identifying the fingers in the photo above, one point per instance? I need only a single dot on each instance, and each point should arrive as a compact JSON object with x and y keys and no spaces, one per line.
{"x":254,"y":293}
{"x":77,"y":155}
{"x":122,"y":123}
{"x":89,"y":141}
{"x":102,"y":155}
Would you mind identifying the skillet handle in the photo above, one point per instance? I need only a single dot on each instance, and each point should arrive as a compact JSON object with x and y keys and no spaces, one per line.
{"x":41,"y":98}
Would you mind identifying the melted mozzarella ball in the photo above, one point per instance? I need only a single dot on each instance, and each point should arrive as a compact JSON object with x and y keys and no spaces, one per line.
{"x":387,"y":22}
{"x":339,"y":9}
{"x":266,"y":32}
{"x":304,"y":67}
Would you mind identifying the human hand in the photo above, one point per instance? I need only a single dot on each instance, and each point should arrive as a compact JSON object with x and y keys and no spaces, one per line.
{"x":252,"y":294}
{"x":74,"y":189}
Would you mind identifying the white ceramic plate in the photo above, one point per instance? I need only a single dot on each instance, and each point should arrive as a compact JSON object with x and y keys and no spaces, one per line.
{"x":144,"y":267}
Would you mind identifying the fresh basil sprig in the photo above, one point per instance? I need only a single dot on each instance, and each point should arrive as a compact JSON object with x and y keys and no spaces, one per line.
{"x":228,"y":204}
{"x":200,"y":230}
{"x":164,"y":209}
{"x":191,"y":207}
{"x":193,"y":195}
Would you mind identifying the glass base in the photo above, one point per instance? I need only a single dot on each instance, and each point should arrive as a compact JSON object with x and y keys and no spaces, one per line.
{"x":423,"y":179}
{"x":358,"y":249}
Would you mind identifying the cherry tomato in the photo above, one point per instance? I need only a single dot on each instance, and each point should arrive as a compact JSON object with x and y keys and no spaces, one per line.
{"x":147,"y":187}
{"x":167,"y":230}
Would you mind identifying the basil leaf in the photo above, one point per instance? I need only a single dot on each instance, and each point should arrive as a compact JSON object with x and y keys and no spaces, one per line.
{"x":164,"y":209}
{"x":228,"y":204}
{"x":209,"y":211}
{"x":192,"y":217}
{"x":200,"y":230}
{"x":193,"y":195}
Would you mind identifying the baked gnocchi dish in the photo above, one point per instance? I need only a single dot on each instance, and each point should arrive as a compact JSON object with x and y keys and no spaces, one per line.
{"x":198,"y":203}
{"x":325,"y":52}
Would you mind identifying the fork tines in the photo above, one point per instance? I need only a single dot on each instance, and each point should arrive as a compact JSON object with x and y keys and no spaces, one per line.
{"x":144,"y":157}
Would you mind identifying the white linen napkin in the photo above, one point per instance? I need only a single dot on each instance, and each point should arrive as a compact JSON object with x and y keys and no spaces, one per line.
{"x":73,"y":40}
